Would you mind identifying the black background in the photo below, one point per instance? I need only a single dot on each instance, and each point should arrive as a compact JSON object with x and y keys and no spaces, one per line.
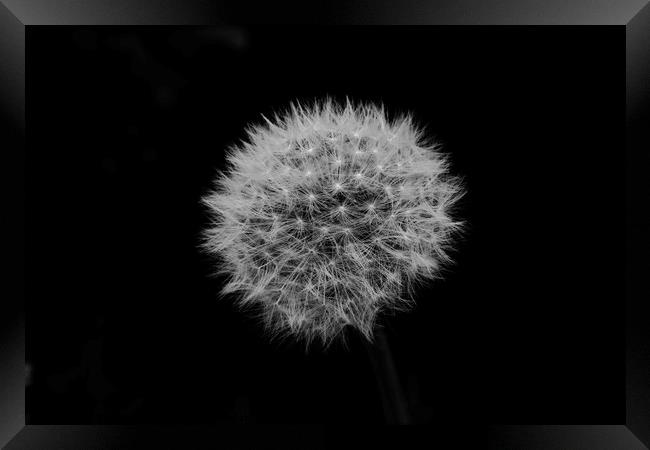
{"x":127,"y":127}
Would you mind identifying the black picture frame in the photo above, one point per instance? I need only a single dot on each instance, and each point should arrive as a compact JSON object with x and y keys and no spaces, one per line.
{"x":17,"y":16}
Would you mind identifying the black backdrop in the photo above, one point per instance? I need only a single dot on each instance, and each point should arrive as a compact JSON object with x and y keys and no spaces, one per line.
{"x":127,"y":127}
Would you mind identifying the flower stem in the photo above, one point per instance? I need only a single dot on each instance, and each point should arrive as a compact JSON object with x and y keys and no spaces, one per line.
{"x":393,"y":399}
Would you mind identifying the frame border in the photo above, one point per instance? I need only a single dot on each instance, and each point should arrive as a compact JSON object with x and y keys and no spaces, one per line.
{"x":16,"y":15}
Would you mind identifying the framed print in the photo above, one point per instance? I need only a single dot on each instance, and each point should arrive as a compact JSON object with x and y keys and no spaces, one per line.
{"x":237,"y":226}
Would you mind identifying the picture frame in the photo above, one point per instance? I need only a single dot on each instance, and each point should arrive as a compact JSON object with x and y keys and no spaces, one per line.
{"x":17,"y":18}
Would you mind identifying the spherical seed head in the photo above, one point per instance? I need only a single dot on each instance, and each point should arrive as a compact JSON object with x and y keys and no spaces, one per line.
{"x":328,"y":215}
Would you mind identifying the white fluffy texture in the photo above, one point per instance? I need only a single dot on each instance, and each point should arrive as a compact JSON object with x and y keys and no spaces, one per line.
{"x":328,"y":215}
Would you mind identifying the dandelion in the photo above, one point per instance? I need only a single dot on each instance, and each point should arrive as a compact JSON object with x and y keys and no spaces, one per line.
{"x":346,"y":241}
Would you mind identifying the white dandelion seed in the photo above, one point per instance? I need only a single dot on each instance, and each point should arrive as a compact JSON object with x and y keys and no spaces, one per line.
{"x":271,"y":230}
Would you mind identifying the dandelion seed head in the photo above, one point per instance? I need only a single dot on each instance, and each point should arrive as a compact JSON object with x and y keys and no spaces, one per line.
{"x":288,"y":245}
